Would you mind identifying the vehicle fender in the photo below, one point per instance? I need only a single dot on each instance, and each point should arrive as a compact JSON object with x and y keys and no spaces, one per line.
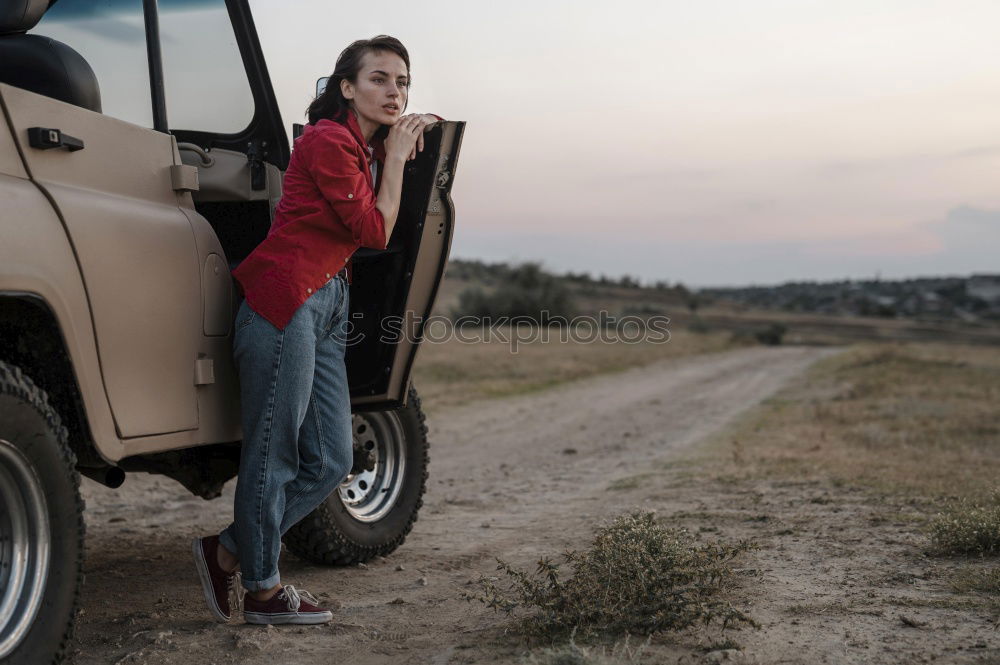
{"x":37,"y":262}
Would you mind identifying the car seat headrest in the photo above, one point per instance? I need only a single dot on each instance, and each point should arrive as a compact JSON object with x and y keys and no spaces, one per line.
{"x":21,"y":15}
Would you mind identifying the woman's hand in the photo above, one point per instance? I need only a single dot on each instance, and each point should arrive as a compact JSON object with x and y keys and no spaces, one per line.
{"x":405,"y":139}
{"x":426,"y":120}
{"x":401,"y":141}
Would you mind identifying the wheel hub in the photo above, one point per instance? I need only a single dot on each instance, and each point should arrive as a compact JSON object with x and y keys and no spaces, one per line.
{"x":25,"y":548}
{"x":373,"y":486}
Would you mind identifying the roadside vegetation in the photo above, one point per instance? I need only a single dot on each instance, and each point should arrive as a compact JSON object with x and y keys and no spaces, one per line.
{"x":969,"y":526}
{"x":637,"y":577}
{"x":914,"y":426}
{"x":914,"y":420}
{"x":571,"y":653}
{"x":843,"y":317}
{"x":525,"y":291}
{"x":886,"y":455}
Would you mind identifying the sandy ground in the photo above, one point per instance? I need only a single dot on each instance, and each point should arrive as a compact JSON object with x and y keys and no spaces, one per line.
{"x":530,"y":475}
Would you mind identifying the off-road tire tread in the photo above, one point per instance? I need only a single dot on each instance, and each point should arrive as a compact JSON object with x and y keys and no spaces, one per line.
{"x":313,"y":539}
{"x":15,"y":383}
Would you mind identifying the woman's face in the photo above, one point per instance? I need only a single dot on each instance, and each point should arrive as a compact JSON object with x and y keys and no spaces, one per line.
{"x":379,"y":94}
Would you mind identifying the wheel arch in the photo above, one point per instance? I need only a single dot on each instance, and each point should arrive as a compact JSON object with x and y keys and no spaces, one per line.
{"x":32,"y":339}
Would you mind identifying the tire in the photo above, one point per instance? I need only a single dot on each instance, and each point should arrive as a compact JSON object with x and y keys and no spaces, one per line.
{"x":43,"y":522}
{"x":359,"y":521}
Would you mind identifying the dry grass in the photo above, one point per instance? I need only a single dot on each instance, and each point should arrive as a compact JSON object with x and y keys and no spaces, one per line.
{"x":917,"y":422}
{"x":977,"y":579}
{"x":637,"y":577}
{"x":453,"y":373}
{"x":572,"y":653}
{"x":916,"y":419}
{"x":968,"y":526}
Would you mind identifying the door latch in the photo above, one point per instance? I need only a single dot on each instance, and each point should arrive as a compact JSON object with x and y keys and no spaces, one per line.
{"x":258,"y":172}
{"x":44,"y":138}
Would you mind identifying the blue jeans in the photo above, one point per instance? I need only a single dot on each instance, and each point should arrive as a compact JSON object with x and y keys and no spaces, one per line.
{"x":297,"y":432}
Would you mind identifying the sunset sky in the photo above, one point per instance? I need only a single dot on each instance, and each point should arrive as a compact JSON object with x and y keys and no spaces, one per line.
{"x":717,"y":142}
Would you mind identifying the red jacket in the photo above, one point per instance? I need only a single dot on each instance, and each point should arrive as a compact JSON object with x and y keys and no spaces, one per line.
{"x":327,"y":210}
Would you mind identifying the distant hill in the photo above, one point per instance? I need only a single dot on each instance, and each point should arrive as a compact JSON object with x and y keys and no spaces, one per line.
{"x":936,"y":309}
{"x":971,"y":299}
{"x":470,"y":286}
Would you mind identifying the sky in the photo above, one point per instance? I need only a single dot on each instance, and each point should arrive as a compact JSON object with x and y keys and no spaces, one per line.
{"x":719,"y":142}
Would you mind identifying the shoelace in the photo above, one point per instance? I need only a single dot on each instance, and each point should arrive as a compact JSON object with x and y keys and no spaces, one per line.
{"x":236,"y":587}
{"x":294,"y":597}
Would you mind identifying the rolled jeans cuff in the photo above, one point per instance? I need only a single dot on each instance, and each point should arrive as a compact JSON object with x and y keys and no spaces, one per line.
{"x":263,"y":585}
{"x":227,"y":541}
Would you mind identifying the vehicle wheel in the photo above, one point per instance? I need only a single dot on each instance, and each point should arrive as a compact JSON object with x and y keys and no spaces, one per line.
{"x":371,"y":512}
{"x":41,"y":526}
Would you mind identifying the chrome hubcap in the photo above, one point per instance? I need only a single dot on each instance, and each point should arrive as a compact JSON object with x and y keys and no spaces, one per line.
{"x":24,"y":546}
{"x":370,"y":495}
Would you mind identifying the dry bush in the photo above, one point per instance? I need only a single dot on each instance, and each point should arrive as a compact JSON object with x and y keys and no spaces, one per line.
{"x":637,"y":577}
{"x":772,"y":334}
{"x":572,"y":653}
{"x":968,"y":526}
{"x":525,"y":291}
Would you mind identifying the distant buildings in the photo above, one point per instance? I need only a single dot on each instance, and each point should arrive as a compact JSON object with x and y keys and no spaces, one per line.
{"x":984,"y":287}
{"x":971,"y":299}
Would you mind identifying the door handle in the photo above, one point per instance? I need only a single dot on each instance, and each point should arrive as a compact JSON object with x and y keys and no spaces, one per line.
{"x":44,"y":138}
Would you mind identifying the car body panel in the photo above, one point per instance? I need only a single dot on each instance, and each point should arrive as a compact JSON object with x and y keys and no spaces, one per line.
{"x":37,"y":261}
{"x":136,"y":251}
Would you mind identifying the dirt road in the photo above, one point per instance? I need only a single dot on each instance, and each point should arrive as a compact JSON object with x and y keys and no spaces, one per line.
{"x":514,"y":477}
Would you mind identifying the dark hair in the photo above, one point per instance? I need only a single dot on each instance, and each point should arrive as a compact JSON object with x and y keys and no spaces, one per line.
{"x":332,"y":104}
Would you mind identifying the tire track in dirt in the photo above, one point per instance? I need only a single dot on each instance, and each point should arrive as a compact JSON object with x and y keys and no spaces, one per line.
{"x":515,"y":477}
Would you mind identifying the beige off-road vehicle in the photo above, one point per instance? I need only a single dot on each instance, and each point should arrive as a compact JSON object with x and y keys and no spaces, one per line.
{"x":141,"y":156}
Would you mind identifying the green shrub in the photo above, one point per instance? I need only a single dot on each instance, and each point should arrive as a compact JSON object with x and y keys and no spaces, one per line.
{"x":968,"y":526}
{"x":771,"y":335}
{"x":699,"y":326}
{"x":642,"y":309}
{"x":525,"y":291}
{"x":637,"y":577}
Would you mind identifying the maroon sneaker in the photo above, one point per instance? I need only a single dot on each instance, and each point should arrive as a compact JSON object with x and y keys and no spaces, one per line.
{"x":215,"y":582}
{"x":289,"y":605}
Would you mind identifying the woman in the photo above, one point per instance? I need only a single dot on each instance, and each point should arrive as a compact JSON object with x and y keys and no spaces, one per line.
{"x":291,"y":329}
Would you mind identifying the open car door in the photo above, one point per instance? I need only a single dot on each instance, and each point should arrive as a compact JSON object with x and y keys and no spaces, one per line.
{"x":394,"y":289}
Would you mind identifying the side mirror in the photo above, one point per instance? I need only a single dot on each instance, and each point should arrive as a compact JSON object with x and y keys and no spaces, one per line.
{"x":321,"y":85}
